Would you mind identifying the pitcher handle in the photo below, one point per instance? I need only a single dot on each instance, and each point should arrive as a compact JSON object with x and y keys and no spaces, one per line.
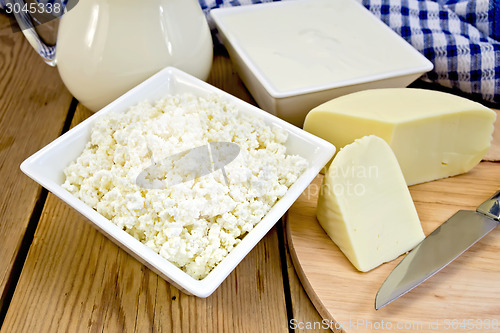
{"x":47,"y":52}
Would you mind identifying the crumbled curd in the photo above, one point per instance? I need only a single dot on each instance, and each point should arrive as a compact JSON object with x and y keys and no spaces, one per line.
{"x":196,"y":223}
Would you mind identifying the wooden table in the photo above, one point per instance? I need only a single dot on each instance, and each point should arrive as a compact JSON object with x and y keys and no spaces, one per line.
{"x":59,"y":274}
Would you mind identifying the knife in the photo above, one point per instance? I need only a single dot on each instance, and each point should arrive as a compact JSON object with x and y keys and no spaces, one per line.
{"x":441,"y":247}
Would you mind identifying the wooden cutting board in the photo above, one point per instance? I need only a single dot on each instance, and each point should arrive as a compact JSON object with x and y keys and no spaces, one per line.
{"x":463,"y":297}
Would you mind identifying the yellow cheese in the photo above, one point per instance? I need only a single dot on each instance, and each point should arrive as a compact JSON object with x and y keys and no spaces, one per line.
{"x":433,"y":134}
{"x":365,"y":206}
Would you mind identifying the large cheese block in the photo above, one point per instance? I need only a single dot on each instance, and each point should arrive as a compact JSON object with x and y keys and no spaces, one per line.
{"x":433,"y":134}
{"x":365,"y":206}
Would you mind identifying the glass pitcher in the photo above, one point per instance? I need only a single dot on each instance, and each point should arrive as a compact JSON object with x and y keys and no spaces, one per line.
{"x":106,"y":47}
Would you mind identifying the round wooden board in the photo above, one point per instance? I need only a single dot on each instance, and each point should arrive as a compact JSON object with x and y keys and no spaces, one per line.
{"x":463,"y":297}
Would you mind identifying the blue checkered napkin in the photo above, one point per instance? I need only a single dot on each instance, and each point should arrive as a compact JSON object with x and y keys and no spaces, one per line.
{"x":480,"y":14}
{"x":461,"y":44}
{"x":460,"y":37}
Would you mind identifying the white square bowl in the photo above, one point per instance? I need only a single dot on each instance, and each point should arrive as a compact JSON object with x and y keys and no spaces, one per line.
{"x":294,"y":55}
{"x":47,"y":165}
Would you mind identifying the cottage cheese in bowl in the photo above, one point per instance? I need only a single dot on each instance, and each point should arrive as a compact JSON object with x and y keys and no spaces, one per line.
{"x":194,"y":222}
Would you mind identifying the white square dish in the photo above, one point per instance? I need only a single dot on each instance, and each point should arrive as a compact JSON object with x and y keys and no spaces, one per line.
{"x":47,"y":168}
{"x":295,"y":55}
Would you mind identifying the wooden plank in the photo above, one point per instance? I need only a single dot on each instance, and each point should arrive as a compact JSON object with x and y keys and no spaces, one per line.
{"x":33,"y":108}
{"x":75,"y":279}
{"x":305,"y":316}
{"x":466,"y":289}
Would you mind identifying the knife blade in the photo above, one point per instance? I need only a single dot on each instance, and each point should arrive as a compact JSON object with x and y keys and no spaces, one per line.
{"x":440,"y":248}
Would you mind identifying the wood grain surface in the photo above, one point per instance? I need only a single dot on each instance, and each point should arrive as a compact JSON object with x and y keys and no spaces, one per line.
{"x":33,"y":108}
{"x":466,"y":289}
{"x":305,"y":317}
{"x":75,"y":279}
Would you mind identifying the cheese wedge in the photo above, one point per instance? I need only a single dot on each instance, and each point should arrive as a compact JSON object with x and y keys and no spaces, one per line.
{"x":433,"y":134}
{"x":365,"y":206}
